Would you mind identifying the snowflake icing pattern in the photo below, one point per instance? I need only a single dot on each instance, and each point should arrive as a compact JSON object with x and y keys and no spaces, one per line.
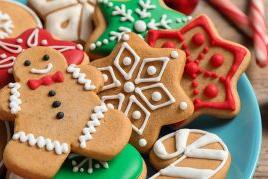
{"x":6,"y":25}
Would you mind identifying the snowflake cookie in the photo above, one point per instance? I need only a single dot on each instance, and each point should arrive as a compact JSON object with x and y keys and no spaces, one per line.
{"x":10,"y":48}
{"x":113,"y":18}
{"x":190,"y":153}
{"x":56,"y":110}
{"x":144,"y":83}
{"x":15,"y":18}
{"x":212,"y":68}
{"x":68,"y":19}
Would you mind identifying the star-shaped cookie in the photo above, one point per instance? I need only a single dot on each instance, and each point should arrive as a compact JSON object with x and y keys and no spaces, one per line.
{"x":144,"y":83}
{"x":113,"y":18}
{"x":212,"y":68}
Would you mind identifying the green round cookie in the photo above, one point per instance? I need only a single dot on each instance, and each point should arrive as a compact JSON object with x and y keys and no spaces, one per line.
{"x":127,"y":164}
{"x":133,"y":16}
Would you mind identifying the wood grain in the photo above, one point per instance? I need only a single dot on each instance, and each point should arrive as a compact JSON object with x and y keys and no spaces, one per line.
{"x":257,"y":76}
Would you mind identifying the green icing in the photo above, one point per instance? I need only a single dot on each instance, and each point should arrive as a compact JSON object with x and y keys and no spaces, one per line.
{"x":155,"y":12}
{"x":127,"y":164}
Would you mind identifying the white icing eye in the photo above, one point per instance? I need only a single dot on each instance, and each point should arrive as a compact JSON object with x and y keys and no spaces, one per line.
{"x":174,"y":54}
{"x":129,"y":87}
{"x":136,"y":115}
{"x":142,"y":142}
{"x":105,"y":77}
{"x":151,"y":70}
{"x":127,"y":61}
{"x":156,"y":96}
{"x":183,"y":105}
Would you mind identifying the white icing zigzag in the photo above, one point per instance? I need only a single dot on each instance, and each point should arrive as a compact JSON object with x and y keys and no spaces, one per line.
{"x":81,"y":77}
{"x":14,"y":99}
{"x":91,"y":125}
{"x":42,"y":142}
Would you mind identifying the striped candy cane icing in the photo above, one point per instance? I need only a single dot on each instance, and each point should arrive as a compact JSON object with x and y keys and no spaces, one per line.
{"x":42,"y":142}
{"x":194,"y":150}
{"x":96,"y":116}
{"x":14,"y":99}
{"x":81,"y":77}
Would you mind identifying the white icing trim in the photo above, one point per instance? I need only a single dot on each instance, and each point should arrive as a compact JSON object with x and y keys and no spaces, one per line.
{"x":44,"y":70}
{"x":6,"y":25}
{"x":140,"y":79}
{"x":42,"y":142}
{"x":81,"y":77}
{"x":145,"y":6}
{"x":3,"y":63}
{"x":91,"y":125}
{"x":116,"y":82}
{"x":126,"y":75}
{"x":194,"y":150}
{"x":171,"y":100}
{"x":126,"y":15}
{"x":11,"y":48}
{"x":62,"y":48}
{"x":133,"y":99}
{"x":32,"y":40}
{"x":120,"y":97}
{"x":14,"y":99}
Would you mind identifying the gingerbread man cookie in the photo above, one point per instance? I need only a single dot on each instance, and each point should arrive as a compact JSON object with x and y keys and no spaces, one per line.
{"x":11,"y":48}
{"x":56,"y":111}
{"x":68,"y":19}
{"x":144,"y":83}
{"x":15,"y":18}
{"x":212,"y":69}
{"x":190,"y":153}
{"x":114,"y":18}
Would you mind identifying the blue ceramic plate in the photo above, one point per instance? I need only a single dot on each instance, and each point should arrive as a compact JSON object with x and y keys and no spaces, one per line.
{"x":242,"y":134}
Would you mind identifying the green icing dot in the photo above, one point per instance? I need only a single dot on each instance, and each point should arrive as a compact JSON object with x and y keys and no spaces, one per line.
{"x":127,"y":164}
{"x":132,"y":19}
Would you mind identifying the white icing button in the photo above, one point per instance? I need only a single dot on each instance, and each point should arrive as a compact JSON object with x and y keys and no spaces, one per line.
{"x":129,"y":87}
{"x":142,"y":142}
{"x":98,"y":43}
{"x":136,"y":115}
{"x":44,"y":42}
{"x":174,"y":54}
{"x":92,"y":46}
{"x":183,"y":105}
{"x":127,"y":61}
{"x":125,"y":37}
{"x":151,"y":70}
{"x":156,"y":96}
{"x":140,"y":26}
{"x":105,"y":77}
{"x":19,"y":40}
{"x":105,"y":41}
{"x":3,"y":55}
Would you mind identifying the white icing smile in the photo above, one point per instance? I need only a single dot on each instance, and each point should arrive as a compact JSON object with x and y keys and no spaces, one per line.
{"x":44,"y":70}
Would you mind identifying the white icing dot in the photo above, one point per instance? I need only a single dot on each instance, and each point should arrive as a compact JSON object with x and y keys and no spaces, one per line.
{"x":19,"y":40}
{"x":129,"y":87}
{"x":136,"y":115}
{"x":183,"y":105}
{"x":105,"y":41}
{"x":140,"y":26}
{"x":105,"y":77}
{"x":156,"y":96}
{"x":125,"y":37}
{"x":110,"y":106}
{"x":3,"y":55}
{"x":79,"y":46}
{"x":127,"y":61}
{"x":142,"y":142}
{"x":174,"y":54}
{"x":110,"y":4}
{"x":74,"y":163}
{"x":97,"y":165}
{"x":44,"y":42}
{"x":151,"y":70}
{"x":98,"y":43}
{"x":92,"y":46}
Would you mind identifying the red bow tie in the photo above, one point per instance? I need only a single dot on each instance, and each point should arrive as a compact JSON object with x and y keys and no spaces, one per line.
{"x":46,"y":80}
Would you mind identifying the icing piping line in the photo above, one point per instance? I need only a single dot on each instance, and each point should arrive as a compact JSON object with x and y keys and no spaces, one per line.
{"x":96,"y":116}
{"x":14,"y":99}
{"x":42,"y":142}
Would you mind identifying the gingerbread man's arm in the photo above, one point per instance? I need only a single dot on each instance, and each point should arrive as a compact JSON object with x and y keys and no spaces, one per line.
{"x":88,"y":76}
{"x":10,"y":101}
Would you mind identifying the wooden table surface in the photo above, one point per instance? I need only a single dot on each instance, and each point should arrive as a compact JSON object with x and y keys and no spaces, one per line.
{"x":257,"y":76}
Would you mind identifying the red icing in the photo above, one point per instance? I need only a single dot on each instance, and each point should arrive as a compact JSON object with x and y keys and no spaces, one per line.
{"x":192,"y":69}
{"x":194,"y":84}
{"x":184,"y":6}
{"x":213,"y":40}
{"x":73,"y":55}
{"x":169,"y":44}
{"x":196,"y":92}
{"x":46,"y":80}
{"x":216,"y":60}
{"x":211,"y":91}
{"x":198,"y":39}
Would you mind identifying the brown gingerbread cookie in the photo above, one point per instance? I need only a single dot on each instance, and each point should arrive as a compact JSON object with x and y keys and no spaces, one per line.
{"x":190,"y":153}
{"x":212,"y":69}
{"x":144,"y":83}
{"x":5,"y":133}
{"x":56,"y":111}
{"x":15,"y":18}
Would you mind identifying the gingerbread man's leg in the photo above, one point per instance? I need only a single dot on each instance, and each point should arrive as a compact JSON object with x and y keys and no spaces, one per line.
{"x":107,"y":138}
{"x":32,"y":161}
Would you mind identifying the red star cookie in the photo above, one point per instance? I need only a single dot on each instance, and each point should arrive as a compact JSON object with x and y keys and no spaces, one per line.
{"x":11,"y":48}
{"x":212,"y":69}
{"x":143,"y":82}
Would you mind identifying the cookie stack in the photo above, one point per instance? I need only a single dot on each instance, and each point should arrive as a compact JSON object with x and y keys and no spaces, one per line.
{"x":90,"y":92}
